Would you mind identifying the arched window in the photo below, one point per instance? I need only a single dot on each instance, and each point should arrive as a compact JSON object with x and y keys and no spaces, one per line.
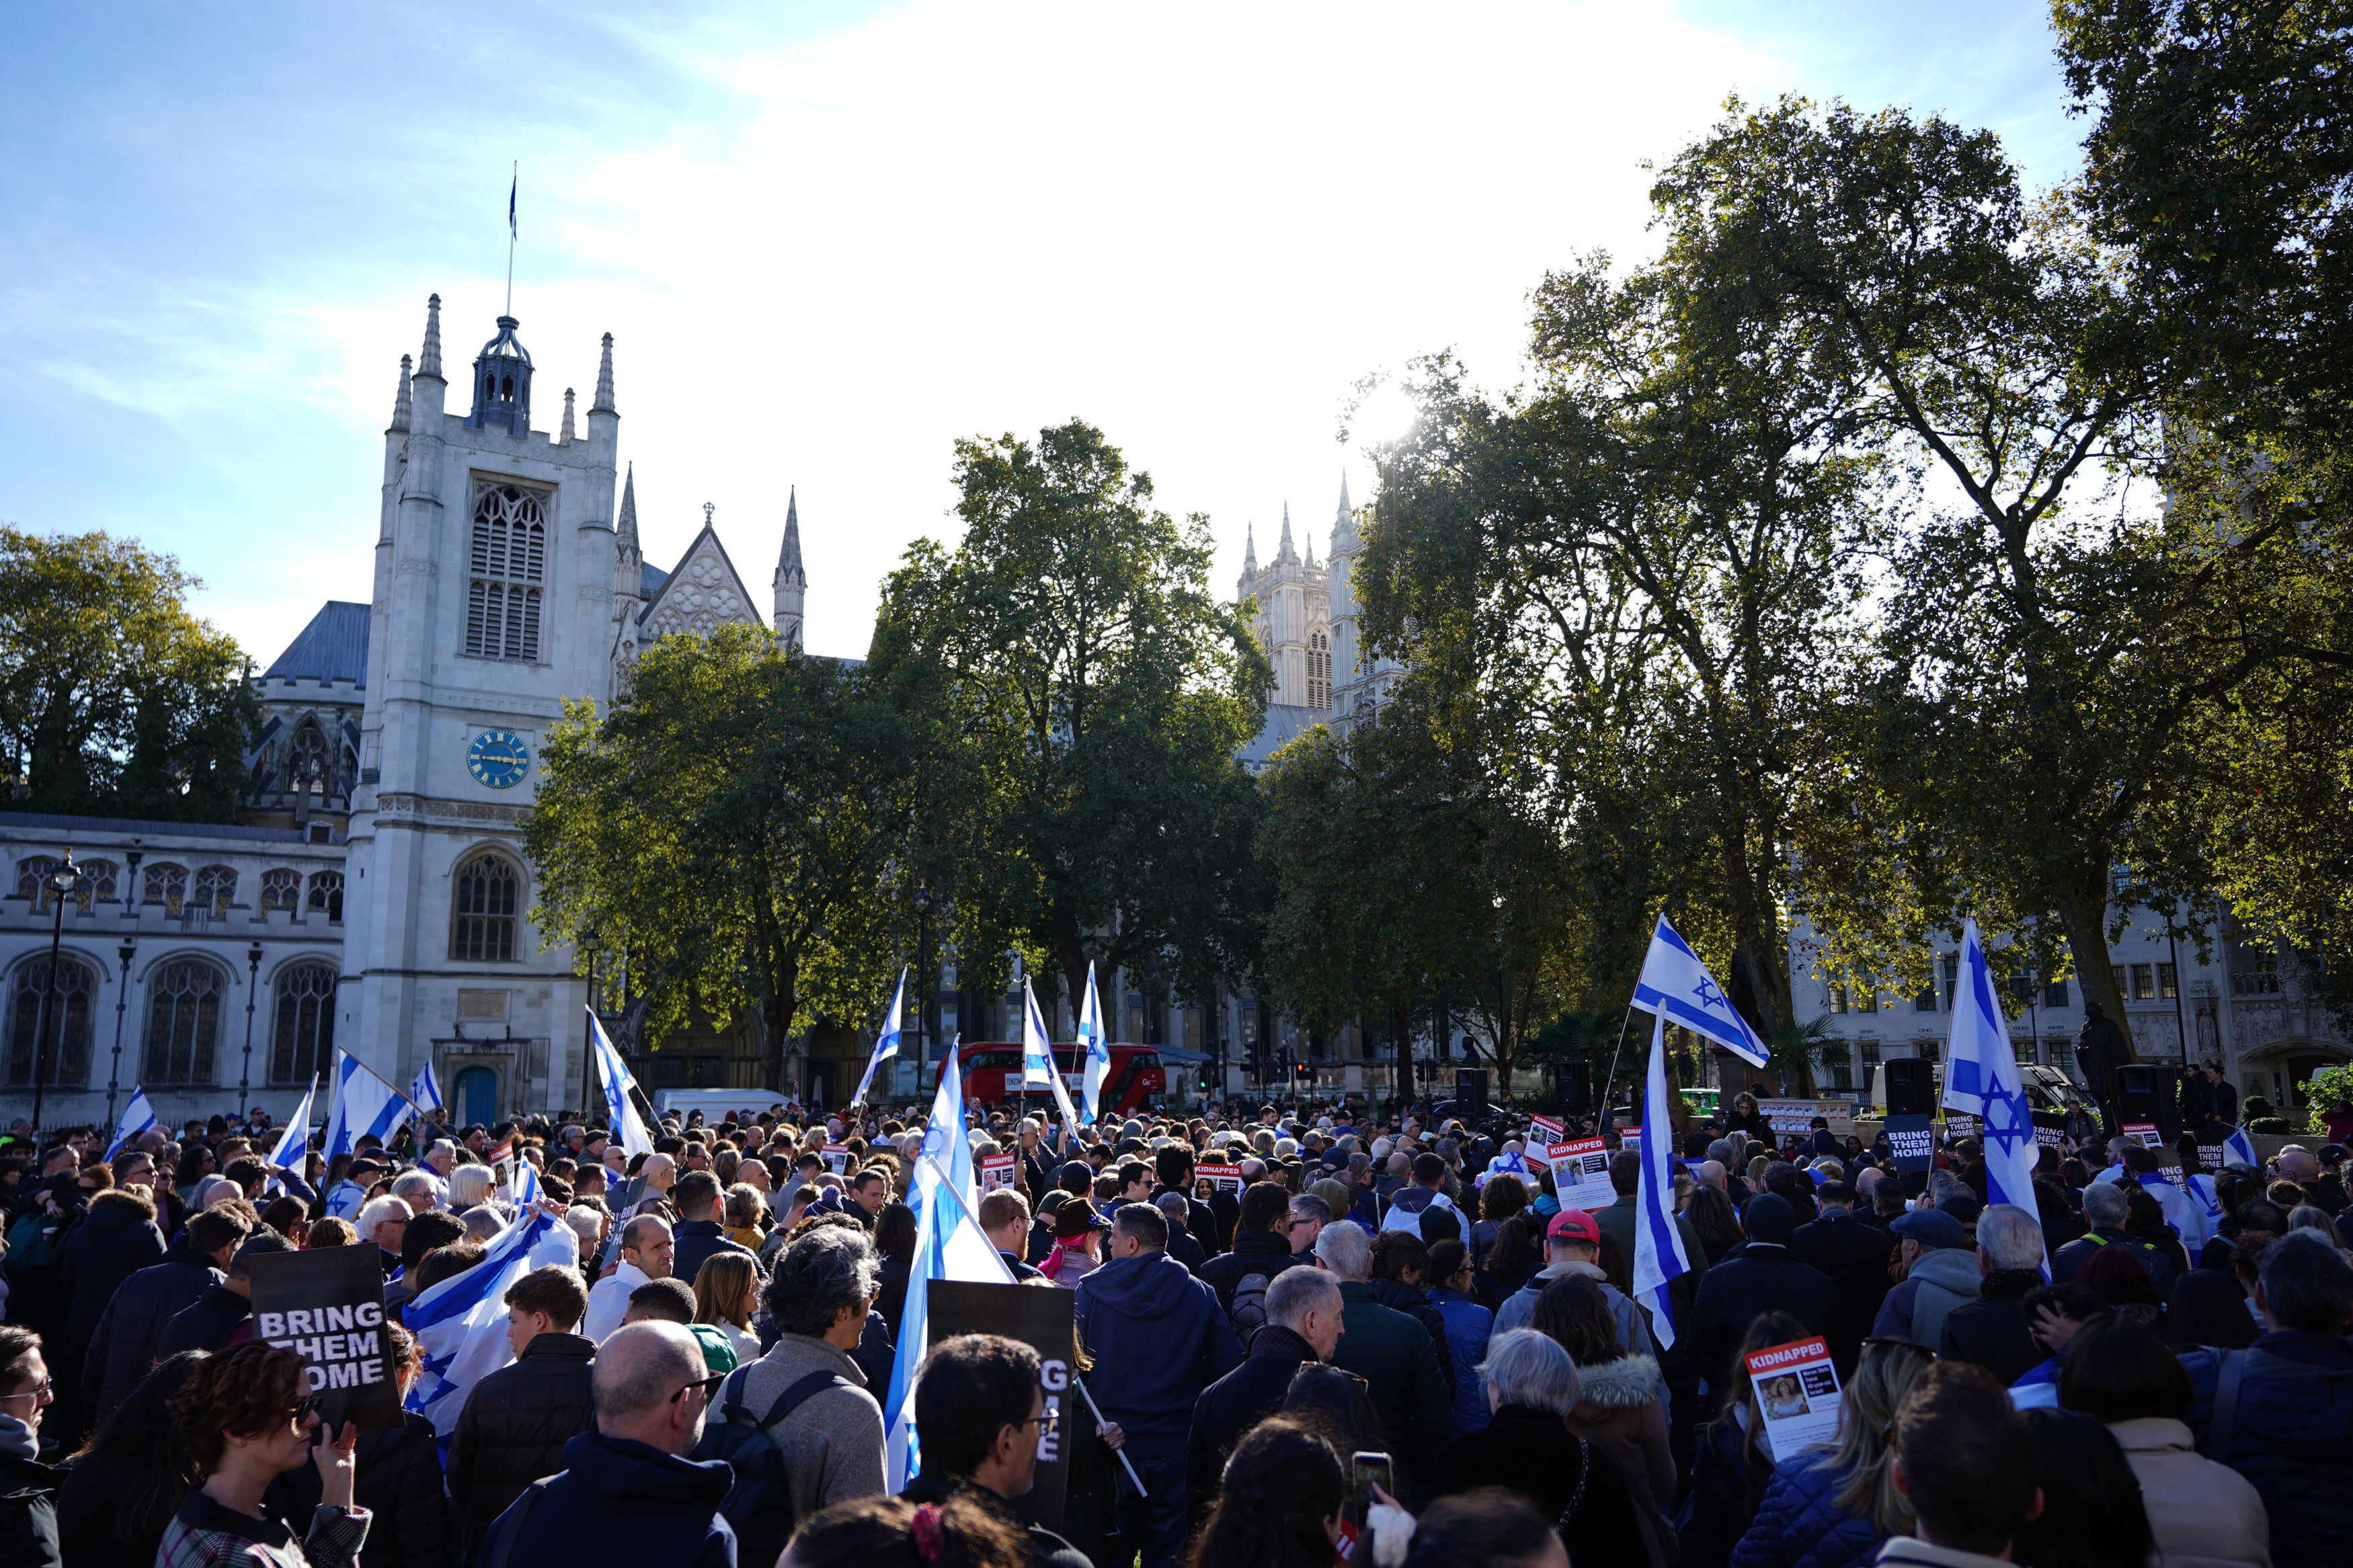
{"x":282,"y":888}
{"x":33,"y":881}
{"x":507,"y":564}
{"x":327,"y":894}
{"x":166,"y":885}
{"x":98,"y":885}
{"x":1319,"y":670}
{"x":303,"y":1032}
{"x":69,"y":1063}
{"x":307,"y":770}
{"x":184,"y":1014}
{"x":215,"y":887}
{"x":488,"y":889}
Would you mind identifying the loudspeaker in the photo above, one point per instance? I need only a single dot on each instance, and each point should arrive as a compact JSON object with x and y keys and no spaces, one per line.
{"x":1910,"y":1087}
{"x":2146,"y":1093}
{"x":1470,"y":1093}
{"x":1572,"y":1087}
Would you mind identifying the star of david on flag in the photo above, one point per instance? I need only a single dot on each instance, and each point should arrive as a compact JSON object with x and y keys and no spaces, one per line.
{"x":1677,"y":985}
{"x":1983,"y":1079}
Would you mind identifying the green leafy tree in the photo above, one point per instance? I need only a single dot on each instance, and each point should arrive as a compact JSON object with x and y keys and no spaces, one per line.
{"x":1098,"y":693}
{"x":114,"y":699}
{"x":747,"y":826}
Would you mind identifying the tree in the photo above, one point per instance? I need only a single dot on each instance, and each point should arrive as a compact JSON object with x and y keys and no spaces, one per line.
{"x":1098,"y":693}
{"x":747,"y":826}
{"x":115,"y":700}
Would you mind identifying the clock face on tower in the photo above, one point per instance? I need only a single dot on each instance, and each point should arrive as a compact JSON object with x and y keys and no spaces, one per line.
{"x":497,"y":758}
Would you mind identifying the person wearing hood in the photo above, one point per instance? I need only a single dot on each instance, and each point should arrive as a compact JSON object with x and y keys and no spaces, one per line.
{"x":28,"y":1488}
{"x":1158,"y":1339}
{"x":1572,"y":1242}
{"x":1759,"y":1276}
{"x":627,"y":1493}
{"x":1940,"y":1272}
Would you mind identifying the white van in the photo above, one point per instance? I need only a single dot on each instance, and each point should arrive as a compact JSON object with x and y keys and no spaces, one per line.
{"x":715,"y":1104}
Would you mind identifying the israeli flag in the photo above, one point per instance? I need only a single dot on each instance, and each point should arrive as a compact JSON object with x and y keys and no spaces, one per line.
{"x":949,"y":1245}
{"x":364,"y":1104}
{"x":1982,"y":1080}
{"x":947,"y":1145}
{"x":886,"y":1044}
{"x":1676,"y":984}
{"x":1098,"y":1053}
{"x":629,"y":1127}
{"x":295,"y":1141}
{"x":1037,"y":1070}
{"x":2239,"y":1149}
{"x":1659,"y":1257}
{"x":523,"y":1187}
{"x":426,"y":1089}
{"x":137,"y":1118}
{"x":460,"y":1325}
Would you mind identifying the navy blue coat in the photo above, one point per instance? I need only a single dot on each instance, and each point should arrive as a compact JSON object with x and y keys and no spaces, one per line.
{"x":2288,"y":1436}
{"x":1158,"y":1339}
{"x":1798,"y":1524}
{"x":620,"y":1501}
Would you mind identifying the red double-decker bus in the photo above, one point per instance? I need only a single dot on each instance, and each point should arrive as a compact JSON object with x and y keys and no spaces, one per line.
{"x":992,"y":1076}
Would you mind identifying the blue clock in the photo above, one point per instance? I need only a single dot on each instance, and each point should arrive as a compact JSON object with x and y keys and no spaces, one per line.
{"x":497,"y":758}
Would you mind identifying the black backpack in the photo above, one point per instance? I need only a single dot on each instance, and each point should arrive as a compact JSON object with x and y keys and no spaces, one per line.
{"x":759,"y":1506}
{"x":1248,"y":1310}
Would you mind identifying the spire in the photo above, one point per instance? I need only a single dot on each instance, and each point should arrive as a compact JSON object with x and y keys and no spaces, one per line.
{"x":400,"y":402}
{"x":1286,"y":554}
{"x":628,"y":560}
{"x":627,"y":531}
{"x":791,"y":583}
{"x":430,"y":361}
{"x":1249,"y":549}
{"x":1343,"y":521}
{"x":1345,"y":509}
{"x":566,"y":437}
{"x":604,"y":403}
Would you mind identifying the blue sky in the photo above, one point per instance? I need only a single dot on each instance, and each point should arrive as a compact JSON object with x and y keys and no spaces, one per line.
{"x":830,"y":239}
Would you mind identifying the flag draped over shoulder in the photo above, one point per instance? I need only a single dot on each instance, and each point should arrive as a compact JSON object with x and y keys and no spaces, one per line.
{"x":1659,"y":1257}
{"x":137,"y":1118}
{"x":1676,"y":984}
{"x":1982,"y":1080}
{"x":1038,"y":1070}
{"x":364,"y":1105}
{"x":1093,"y":1041}
{"x":629,"y":1128}
{"x":886,"y":1044}
{"x":460,"y":1325}
{"x":949,"y":1245}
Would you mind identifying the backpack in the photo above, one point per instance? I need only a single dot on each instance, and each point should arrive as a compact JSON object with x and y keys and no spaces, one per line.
{"x":759,"y":1506}
{"x":32,"y":1240}
{"x":1248,"y":1310}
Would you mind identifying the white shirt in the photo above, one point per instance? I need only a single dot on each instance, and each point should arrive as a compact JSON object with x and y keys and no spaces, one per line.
{"x":608,"y":1300}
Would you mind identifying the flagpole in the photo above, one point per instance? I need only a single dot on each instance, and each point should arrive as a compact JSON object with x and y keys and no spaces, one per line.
{"x":514,"y":181}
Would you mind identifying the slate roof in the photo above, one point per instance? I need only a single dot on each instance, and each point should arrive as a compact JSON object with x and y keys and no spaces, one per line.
{"x":333,"y":647}
{"x":1285,"y":722}
{"x":649,"y":583}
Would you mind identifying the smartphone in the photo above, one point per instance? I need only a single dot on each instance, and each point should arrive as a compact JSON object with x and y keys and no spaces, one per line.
{"x":1367,"y":1470}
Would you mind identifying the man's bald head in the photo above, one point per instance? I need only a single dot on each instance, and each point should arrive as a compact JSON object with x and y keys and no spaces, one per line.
{"x":637,"y":1378}
{"x":2297,"y":1164}
{"x":1710,"y":1174}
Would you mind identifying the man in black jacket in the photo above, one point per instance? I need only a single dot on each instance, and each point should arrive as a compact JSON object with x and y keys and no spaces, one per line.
{"x":699,"y":1236}
{"x":517,"y":1420}
{"x":1854,"y":1256}
{"x":1260,"y":1251}
{"x":978,"y":1409}
{"x":1992,"y":1330}
{"x":212,"y":1320}
{"x":1005,"y":1220}
{"x":1758,"y":1275}
{"x":1173,"y":1164}
{"x":122,"y":1348}
{"x":1302,"y":1326}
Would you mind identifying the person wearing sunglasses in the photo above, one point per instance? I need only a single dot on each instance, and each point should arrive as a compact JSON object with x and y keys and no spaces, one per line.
{"x":248,"y":1415}
{"x":28,"y":1488}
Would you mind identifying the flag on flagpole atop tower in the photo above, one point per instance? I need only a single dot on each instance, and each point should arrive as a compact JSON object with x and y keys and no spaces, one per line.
{"x":886,"y":1043}
{"x":1094,"y":1042}
{"x":1675,"y":984}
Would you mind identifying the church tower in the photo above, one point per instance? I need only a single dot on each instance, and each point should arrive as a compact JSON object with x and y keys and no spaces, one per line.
{"x":791,"y":583}
{"x":1359,"y":685}
{"x":496,"y":568}
{"x":1294,"y":622}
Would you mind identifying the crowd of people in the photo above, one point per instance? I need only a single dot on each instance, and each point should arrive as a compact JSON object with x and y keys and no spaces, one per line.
{"x":1384,"y":1339}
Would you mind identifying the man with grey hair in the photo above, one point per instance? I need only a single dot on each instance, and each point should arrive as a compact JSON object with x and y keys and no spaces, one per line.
{"x":1531,"y":1385}
{"x":418,"y":1189}
{"x":1392,"y":1352}
{"x":1302,"y":1326}
{"x":627,"y":1493}
{"x":1992,"y":1330}
{"x":2106,"y":1206}
{"x":807,"y":1392}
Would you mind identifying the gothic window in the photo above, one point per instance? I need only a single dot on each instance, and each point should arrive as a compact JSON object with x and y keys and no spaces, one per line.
{"x":303,"y":1032}
{"x":184,"y":1016}
{"x":1319,"y":670}
{"x":33,"y":880}
{"x":216,"y":886}
{"x":98,"y":885}
{"x":166,"y":885}
{"x":308,"y":769}
{"x":282,"y":888}
{"x":507,"y":565}
{"x":68,"y":1050}
{"x":487,"y":892}
{"x":327,"y":894}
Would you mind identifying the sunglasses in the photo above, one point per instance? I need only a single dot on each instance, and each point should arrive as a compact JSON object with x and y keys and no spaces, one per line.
{"x":304,"y":1408}
{"x":710,"y":1385}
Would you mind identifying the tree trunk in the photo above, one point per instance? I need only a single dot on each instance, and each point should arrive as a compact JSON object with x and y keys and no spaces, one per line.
{"x":2085,"y":915}
{"x":1760,"y":990}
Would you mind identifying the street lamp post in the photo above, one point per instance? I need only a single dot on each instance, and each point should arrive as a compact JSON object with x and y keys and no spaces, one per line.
{"x":589,"y":943}
{"x":122,"y":1000}
{"x":62,"y":882}
{"x":927,"y":983}
{"x":252,"y":985}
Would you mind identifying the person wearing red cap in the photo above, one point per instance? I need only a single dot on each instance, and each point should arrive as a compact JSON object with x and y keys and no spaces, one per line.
{"x":1572,"y":1242}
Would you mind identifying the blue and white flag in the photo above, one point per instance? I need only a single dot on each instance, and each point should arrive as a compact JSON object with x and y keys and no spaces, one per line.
{"x":947,"y":1143}
{"x":460,"y":1325}
{"x":137,"y":1118}
{"x":629,"y":1128}
{"x":364,"y":1104}
{"x":949,"y":1245}
{"x":1658,"y":1255}
{"x":1982,"y":1079}
{"x":1675,"y":984}
{"x":523,"y":1187}
{"x":426,"y":1089}
{"x":295,"y":1141}
{"x":2239,"y":1149}
{"x":1091,"y":1041}
{"x":1038,"y":1070}
{"x":886,"y":1044}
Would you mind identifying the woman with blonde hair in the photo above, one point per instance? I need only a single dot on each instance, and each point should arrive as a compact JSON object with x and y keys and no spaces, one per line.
{"x":1835,"y":1506}
{"x":726,"y":1289}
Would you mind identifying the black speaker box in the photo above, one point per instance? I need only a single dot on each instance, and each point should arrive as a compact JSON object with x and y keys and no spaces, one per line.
{"x":1572,"y":1087}
{"x":1910,"y":1087}
{"x":1470,"y":1093}
{"x":2146,"y":1093}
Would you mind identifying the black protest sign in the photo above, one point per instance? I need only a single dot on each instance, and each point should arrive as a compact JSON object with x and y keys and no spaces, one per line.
{"x":1912,"y":1142}
{"x":1043,"y":1319}
{"x":2050,"y":1130}
{"x":328,"y":1303}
